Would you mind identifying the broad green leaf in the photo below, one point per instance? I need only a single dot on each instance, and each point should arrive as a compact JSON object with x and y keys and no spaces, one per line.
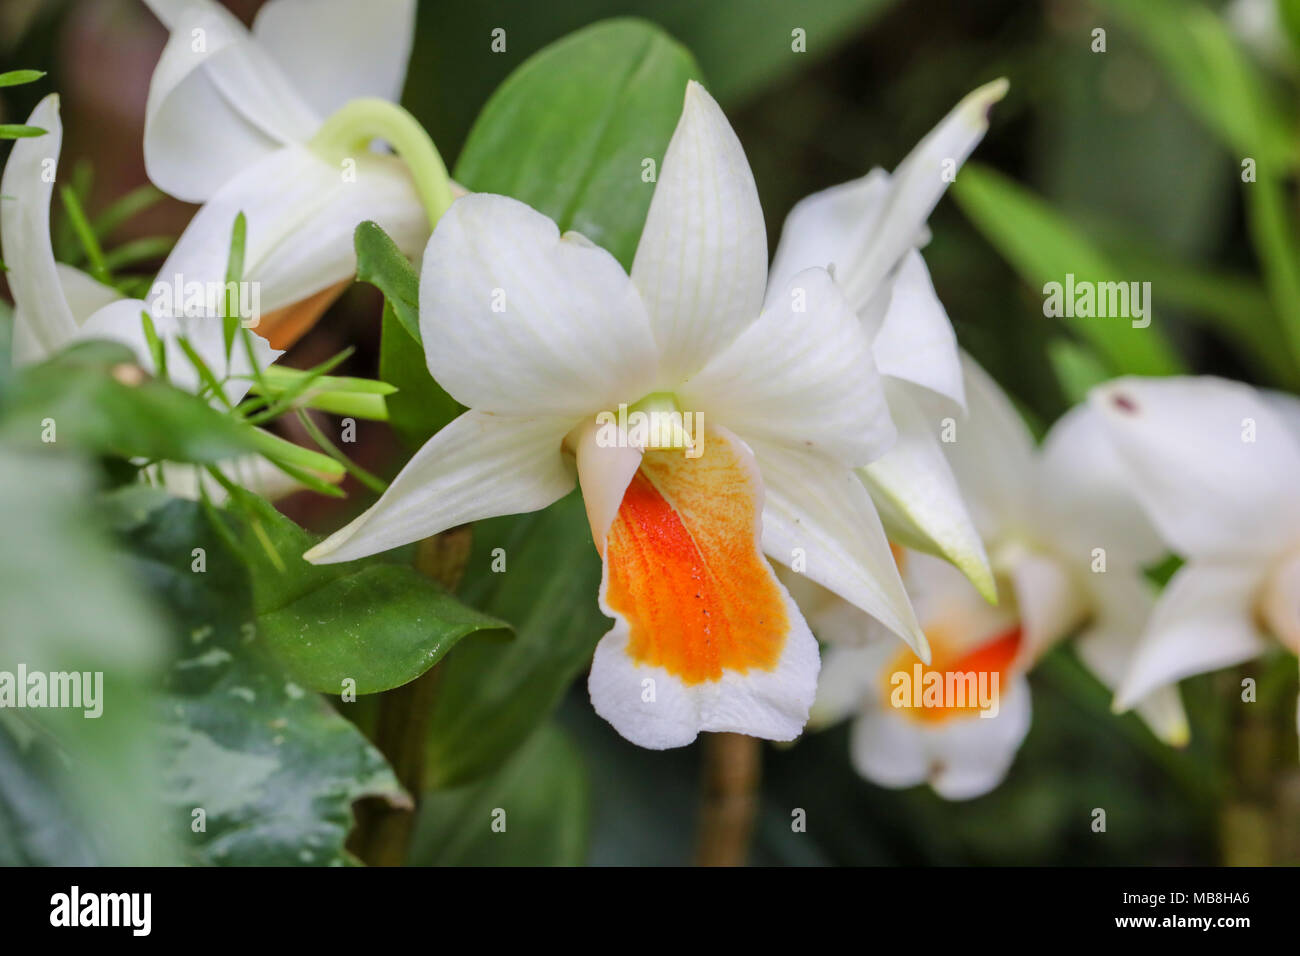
{"x":1214,"y":76}
{"x":100,"y":401}
{"x":1043,"y":246}
{"x":273,"y":768}
{"x":578,"y":129}
{"x":493,"y":694}
{"x":533,"y":811}
{"x":744,"y":50}
{"x":373,"y":622}
{"x":420,"y":407}
{"x":74,"y":790}
{"x":384,"y":266}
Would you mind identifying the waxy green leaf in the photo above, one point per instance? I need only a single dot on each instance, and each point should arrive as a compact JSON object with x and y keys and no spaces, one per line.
{"x":579,"y":130}
{"x":420,"y":406}
{"x":373,"y":623}
{"x":270,"y":769}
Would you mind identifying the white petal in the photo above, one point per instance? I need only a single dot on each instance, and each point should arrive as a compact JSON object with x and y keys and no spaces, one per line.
{"x":802,"y":375}
{"x":821,"y":515}
{"x":1088,"y":492}
{"x":44,"y":322}
{"x":1204,"y":620}
{"x":701,"y":264}
{"x":520,"y":320}
{"x":1214,"y":465}
{"x":604,"y":472}
{"x":992,"y":456}
{"x":1050,"y":599}
{"x":339,"y":50}
{"x":915,"y":189}
{"x":217,"y":102}
{"x":916,"y":342}
{"x":832,"y":619}
{"x":826,"y":229}
{"x":961,"y":758}
{"x":1122,"y":605}
{"x":849,"y":680}
{"x":301,"y":215}
{"x":479,"y":466}
{"x":888,"y":749}
{"x":918,"y":498}
{"x":971,"y":756}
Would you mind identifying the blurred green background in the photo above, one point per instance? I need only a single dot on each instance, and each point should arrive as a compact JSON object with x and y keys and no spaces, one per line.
{"x":1102,"y":137}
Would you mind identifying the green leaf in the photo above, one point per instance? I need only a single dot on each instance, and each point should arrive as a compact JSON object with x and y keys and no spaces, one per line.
{"x":1043,"y":246}
{"x":273,"y":767}
{"x":538,"y":801}
{"x":382,"y":264}
{"x":371,"y":621}
{"x":99,"y":400}
{"x":19,"y":77}
{"x":74,"y":790}
{"x":570,"y":131}
{"x":494,"y":694}
{"x":421,"y":406}
{"x":1214,"y":76}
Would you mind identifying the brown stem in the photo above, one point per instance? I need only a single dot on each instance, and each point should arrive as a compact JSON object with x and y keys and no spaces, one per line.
{"x":383,"y":832}
{"x":729,"y":801}
{"x":1260,"y":824}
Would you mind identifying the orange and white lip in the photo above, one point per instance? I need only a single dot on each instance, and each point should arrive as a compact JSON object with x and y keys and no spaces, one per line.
{"x":960,"y":751}
{"x":705,"y":637}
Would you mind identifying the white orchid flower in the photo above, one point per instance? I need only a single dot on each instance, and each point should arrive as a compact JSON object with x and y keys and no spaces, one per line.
{"x":544,"y":336}
{"x":868,"y":233}
{"x":1068,"y":545}
{"x":1214,"y":463}
{"x":56,"y":305}
{"x":961,"y":746}
{"x":278,"y":123}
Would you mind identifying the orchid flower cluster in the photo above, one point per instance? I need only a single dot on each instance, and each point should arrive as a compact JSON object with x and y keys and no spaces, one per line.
{"x":842,"y":517}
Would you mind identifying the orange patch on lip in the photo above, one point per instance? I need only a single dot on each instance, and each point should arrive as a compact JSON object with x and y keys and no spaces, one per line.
{"x":285,"y":326}
{"x":685,"y":569}
{"x":993,"y":656}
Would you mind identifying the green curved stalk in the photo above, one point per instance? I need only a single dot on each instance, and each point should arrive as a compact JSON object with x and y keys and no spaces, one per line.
{"x":353,"y":128}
